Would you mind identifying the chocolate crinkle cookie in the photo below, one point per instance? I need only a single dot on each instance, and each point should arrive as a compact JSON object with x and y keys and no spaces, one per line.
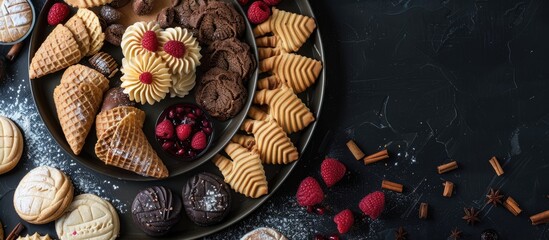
{"x":156,"y":210}
{"x":184,"y":9}
{"x":165,"y":18}
{"x":142,"y":7}
{"x":216,"y":21}
{"x":221,"y":93}
{"x":232,"y":55}
{"x":114,"y":33}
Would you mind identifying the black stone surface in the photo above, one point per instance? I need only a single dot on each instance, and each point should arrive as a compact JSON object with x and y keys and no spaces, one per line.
{"x":431,"y":81}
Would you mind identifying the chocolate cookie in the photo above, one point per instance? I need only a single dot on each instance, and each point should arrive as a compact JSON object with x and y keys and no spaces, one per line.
{"x":110,"y":14}
{"x":116,"y":97}
{"x":221,"y":93}
{"x":207,"y":199}
{"x":142,"y":7}
{"x":216,"y":21}
{"x":156,"y":210}
{"x":114,"y":33}
{"x":165,"y":17}
{"x":185,"y":8}
{"x":232,"y":55}
{"x":119,"y":3}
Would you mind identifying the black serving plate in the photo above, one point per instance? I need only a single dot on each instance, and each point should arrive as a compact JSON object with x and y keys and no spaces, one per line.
{"x":42,"y":90}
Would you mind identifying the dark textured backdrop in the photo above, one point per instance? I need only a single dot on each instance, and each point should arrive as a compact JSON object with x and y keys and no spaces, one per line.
{"x":429,"y":80}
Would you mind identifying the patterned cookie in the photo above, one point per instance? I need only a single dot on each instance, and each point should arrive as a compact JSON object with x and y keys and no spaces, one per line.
{"x":11,"y":145}
{"x":43,"y":195}
{"x":35,"y":236}
{"x":78,"y":28}
{"x":94,"y":29}
{"x":87,"y":3}
{"x":89,"y":217}
{"x":296,"y":71}
{"x":264,"y":233}
{"x":15,"y":19}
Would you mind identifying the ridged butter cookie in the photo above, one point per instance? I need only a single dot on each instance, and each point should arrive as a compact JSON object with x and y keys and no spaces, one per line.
{"x":11,"y":145}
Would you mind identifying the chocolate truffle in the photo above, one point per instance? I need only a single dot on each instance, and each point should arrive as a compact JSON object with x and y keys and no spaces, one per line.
{"x":232,"y":55}
{"x":115,"y":97}
{"x":207,"y":199}
{"x":110,"y":14}
{"x":119,"y":3}
{"x":142,"y":7}
{"x":221,"y":93}
{"x":114,"y":33}
{"x":156,"y":210}
{"x":216,"y":21}
{"x":165,"y":18}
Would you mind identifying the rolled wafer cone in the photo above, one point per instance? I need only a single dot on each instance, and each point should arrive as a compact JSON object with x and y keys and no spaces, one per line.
{"x":78,"y":73}
{"x":298,"y":72}
{"x":112,"y":117}
{"x":57,"y":52}
{"x":272,"y":143}
{"x":244,"y":173}
{"x":285,"y":107}
{"x":77,"y":105}
{"x":126,"y":146}
{"x":76,"y":25}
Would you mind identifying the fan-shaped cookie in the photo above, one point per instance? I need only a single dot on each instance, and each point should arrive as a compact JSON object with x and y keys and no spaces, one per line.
{"x":35,"y":236}
{"x":94,"y":29}
{"x":43,"y":195}
{"x":80,"y":33}
{"x":289,"y":33}
{"x":298,"y":72}
{"x":11,"y":145}
{"x":285,"y":107}
{"x":87,"y":3}
{"x":79,"y":73}
{"x":111,"y":117}
{"x":272,"y":143}
{"x":89,"y":217}
{"x":244,"y":173}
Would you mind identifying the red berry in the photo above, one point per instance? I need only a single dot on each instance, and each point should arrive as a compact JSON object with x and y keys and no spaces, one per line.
{"x":309,"y":192}
{"x":333,"y":237}
{"x":149,"y":41}
{"x":319,"y":237}
{"x":258,"y":12}
{"x":184,"y":131}
{"x":57,"y":14}
{"x":320,"y":210}
{"x":272,"y":2}
{"x":165,"y":130}
{"x":332,"y":171}
{"x":373,"y":204}
{"x":175,"y":48}
{"x":243,"y":2}
{"x":199,"y":141}
{"x":146,"y":78}
{"x":344,"y":221}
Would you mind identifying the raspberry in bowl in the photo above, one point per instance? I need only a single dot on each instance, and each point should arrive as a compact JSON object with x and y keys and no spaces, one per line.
{"x":184,"y":131}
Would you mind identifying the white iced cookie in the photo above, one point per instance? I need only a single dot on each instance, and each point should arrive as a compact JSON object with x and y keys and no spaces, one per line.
{"x":146,"y":78}
{"x":180,"y":50}
{"x":136,"y":39}
{"x":43,"y":195}
{"x":264,"y":234}
{"x":89,"y":217}
{"x":11,"y":145}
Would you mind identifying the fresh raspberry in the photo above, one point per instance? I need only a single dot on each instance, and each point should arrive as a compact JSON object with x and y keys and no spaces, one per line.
{"x":344,"y":221}
{"x":243,"y":2}
{"x":146,"y":77}
{"x":309,"y":192}
{"x":184,"y":131}
{"x":175,"y":48}
{"x":272,"y":2}
{"x":258,"y":12}
{"x":165,"y":129}
{"x":198,"y":141}
{"x":58,"y":13}
{"x":373,"y":204}
{"x":332,"y":171}
{"x":149,"y":41}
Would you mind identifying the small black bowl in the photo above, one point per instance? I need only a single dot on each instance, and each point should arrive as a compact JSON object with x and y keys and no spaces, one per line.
{"x":185,"y":113}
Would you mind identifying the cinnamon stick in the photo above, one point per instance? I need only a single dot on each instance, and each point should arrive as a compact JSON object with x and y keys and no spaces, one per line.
{"x":448,"y":189}
{"x":396,"y":187}
{"x":383,"y":154}
{"x":355,"y":150}
{"x":14,"y":51}
{"x":496,"y":166}
{"x":447,"y":167}
{"x":423,"y":210}
{"x":540,"y":218}
{"x":512,"y":206}
{"x":14,"y":234}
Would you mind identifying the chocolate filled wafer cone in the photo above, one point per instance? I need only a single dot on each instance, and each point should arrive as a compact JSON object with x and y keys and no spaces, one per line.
{"x":272,"y":143}
{"x":79,"y":73}
{"x":245,"y":172}
{"x":298,"y":72}
{"x":76,"y":25}
{"x":57,"y":52}
{"x":126,"y":146}
{"x":111,"y":117}
{"x":77,"y":105}
{"x":285,"y":107}
{"x":289,"y":32}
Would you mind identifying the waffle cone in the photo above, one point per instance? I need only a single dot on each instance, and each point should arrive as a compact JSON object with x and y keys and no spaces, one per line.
{"x":112,"y":117}
{"x":77,"y":105}
{"x":126,"y":146}
{"x":57,"y":52}
{"x":77,"y":74}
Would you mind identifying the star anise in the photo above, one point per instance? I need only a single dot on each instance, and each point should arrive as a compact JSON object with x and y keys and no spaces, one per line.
{"x":400,"y":234}
{"x":471,"y":216}
{"x":494,"y":197}
{"x":455,"y":234}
